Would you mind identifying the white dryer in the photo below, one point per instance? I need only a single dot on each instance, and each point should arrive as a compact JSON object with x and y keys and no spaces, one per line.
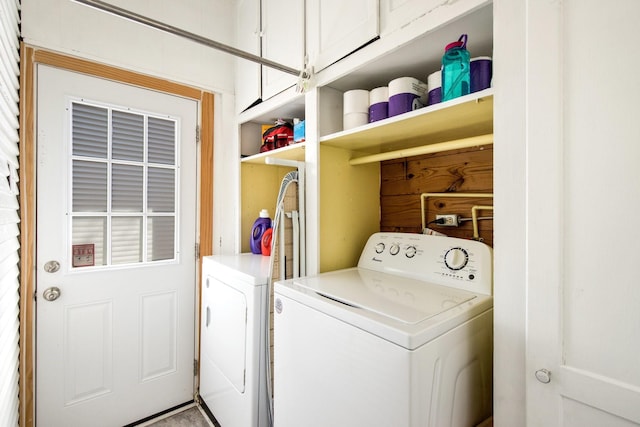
{"x":232,"y":356}
{"x":404,"y":339}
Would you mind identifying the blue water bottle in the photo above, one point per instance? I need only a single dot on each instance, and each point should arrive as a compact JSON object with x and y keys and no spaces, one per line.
{"x":262,"y":224}
{"x":455,"y":69}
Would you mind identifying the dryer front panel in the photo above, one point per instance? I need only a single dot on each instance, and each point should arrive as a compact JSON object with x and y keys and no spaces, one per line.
{"x":225,"y":325}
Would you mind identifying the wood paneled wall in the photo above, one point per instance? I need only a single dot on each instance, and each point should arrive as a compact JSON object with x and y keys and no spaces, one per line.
{"x":459,"y":171}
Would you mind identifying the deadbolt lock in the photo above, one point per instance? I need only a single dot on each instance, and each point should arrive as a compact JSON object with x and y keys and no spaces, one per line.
{"x":52,"y":266}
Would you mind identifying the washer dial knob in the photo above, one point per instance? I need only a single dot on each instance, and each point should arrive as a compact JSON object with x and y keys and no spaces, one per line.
{"x":379,"y":248}
{"x":456,"y":258}
{"x":411,"y":252}
{"x":394,"y":249}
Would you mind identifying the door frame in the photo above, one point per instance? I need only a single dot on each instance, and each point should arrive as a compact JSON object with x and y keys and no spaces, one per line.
{"x":30,"y":57}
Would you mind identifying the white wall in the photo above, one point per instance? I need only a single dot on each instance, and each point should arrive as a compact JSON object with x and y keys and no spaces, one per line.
{"x":78,"y":30}
{"x":509,"y":291}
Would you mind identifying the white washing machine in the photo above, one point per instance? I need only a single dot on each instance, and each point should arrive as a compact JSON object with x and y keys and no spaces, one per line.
{"x":404,"y":339}
{"x":232,"y":356}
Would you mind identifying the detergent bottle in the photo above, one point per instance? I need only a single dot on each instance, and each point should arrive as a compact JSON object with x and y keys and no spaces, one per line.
{"x":260,"y":226}
{"x":266,"y":242}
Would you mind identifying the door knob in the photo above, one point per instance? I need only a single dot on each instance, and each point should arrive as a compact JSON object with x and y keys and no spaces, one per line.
{"x":52,"y":266}
{"x":51,"y":294}
{"x":543,"y":375}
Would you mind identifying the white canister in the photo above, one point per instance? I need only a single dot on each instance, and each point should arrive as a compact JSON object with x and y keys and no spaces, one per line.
{"x":355,"y":101}
{"x":355,"y":107}
{"x":353,"y":120}
{"x":378,"y":104}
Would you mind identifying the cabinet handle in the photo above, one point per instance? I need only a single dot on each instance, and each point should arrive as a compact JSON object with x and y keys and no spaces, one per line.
{"x":208,"y":320}
{"x":543,"y":375}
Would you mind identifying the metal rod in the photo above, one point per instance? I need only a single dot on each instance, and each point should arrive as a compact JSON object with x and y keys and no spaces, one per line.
{"x":123,"y":13}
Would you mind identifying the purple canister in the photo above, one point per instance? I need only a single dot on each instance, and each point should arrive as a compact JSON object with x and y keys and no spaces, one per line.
{"x":378,"y":104}
{"x":406,"y":94}
{"x":434,"y":83}
{"x":481,"y":73}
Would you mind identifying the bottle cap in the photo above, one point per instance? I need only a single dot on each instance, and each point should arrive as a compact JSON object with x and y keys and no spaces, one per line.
{"x":453,"y":44}
{"x":264,"y":213}
{"x":462,"y":42}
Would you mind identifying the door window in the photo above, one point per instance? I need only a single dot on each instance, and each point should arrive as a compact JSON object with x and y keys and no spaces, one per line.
{"x":123,"y":186}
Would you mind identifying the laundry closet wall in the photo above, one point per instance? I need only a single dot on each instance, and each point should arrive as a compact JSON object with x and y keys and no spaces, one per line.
{"x":460,"y":171}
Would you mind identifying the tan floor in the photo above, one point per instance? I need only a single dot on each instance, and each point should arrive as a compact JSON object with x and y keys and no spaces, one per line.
{"x":189,"y":417}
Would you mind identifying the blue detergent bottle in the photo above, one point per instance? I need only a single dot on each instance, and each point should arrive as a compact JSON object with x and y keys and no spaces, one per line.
{"x":260,"y":226}
{"x":456,"y":74}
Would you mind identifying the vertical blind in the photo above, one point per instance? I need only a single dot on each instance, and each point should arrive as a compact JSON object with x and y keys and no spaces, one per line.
{"x":9,"y":219}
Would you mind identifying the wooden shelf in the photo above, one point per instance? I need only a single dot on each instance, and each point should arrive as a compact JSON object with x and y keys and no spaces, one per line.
{"x":290,"y":152}
{"x":463,"y":117}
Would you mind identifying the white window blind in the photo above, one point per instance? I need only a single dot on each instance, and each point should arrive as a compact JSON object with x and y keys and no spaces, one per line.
{"x":124,"y":180}
{"x":9,"y":219}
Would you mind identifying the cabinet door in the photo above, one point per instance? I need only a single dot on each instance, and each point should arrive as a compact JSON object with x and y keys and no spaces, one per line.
{"x":282,"y":42}
{"x":394,"y":14}
{"x":582,"y":312}
{"x":337,"y":28}
{"x":248,"y":84}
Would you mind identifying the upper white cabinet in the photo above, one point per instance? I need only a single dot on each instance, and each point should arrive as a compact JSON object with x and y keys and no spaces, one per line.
{"x":411,"y":43}
{"x":282,"y":42}
{"x":421,"y":14}
{"x":274,"y":30}
{"x":338,"y":27}
{"x":248,"y":82}
{"x":395,"y":14}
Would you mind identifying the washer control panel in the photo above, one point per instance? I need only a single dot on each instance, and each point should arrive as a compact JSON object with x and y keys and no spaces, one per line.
{"x":449,"y":261}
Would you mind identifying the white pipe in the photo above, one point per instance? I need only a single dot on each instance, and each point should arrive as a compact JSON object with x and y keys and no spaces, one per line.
{"x":457,"y":144}
{"x":303,"y":216}
{"x":282,"y":262}
{"x":296,"y":243}
{"x":474,"y":217}
{"x":301,"y":204}
{"x":424,"y":196}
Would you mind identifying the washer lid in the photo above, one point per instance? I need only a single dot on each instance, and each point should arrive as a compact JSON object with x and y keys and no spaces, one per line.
{"x":405,"y":300}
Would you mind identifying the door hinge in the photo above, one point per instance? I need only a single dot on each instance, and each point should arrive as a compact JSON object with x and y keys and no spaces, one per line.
{"x":197,"y":134}
{"x":195,"y":367}
{"x":197,"y":250}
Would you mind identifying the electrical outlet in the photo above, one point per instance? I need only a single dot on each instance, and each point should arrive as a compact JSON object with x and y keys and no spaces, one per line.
{"x":450,"y":220}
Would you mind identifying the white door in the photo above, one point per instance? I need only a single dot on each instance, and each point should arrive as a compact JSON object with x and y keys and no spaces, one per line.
{"x":116,"y":229}
{"x":583,"y":200}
